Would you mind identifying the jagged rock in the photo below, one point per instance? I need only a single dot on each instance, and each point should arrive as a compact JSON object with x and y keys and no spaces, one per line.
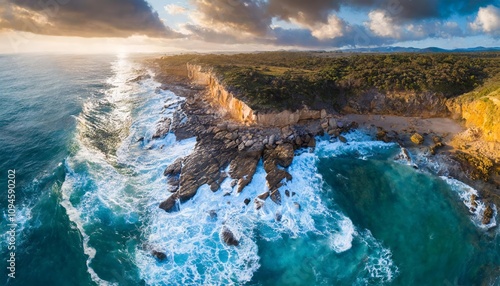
{"x":276,"y":197}
{"x":161,"y":256}
{"x":312,"y":143}
{"x":174,"y":168}
{"x":141,"y":139}
{"x":244,"y":165}
{"x":163,"y":127}
{"x":283,"y":154}
{"x":477,"y":166}
{"x":473,"y":202}
{"x":258,"y":204}
{"x":417,"y":139}
{"x":169,"y":204}
{"x":275,"y":177}
{"x":487,"y":215}
{"x":228,"y":237}
{"x":263,"y":196}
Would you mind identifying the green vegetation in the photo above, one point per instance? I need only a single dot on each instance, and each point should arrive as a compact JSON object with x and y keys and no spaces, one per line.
{"x":289,"y":80}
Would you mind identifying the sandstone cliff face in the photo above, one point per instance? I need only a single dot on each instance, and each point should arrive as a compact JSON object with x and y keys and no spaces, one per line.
{"x":482,"y":113}
{"x":236,"y":108}
{"x":239,"y":110}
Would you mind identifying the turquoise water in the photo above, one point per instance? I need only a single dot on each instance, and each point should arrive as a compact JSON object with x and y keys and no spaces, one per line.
{"x":87,"y":195}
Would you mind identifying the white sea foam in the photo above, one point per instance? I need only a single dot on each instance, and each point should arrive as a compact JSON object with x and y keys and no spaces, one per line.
{"x":359,"y":145}
{"x":379,"y":268}
{"x":75,"y":216}
{"x":94,"y":182}
{"x":465,"y":192}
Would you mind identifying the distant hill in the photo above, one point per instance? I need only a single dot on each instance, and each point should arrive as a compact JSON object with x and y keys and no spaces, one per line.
{"x":418,"y":50}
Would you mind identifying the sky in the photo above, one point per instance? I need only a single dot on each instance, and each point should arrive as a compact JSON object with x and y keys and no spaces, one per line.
{"x":101,"y":26}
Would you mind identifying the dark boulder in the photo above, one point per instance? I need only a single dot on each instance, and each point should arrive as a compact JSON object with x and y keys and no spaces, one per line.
{"x":228,"y":237}
{"x":160,"y":256}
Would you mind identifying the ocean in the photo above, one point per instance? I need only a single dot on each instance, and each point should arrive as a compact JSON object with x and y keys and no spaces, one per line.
{"x":87,"y":192}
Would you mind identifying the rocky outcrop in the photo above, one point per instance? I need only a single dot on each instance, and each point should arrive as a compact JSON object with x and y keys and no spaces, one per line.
{"x":477,"y":166}
{"x":162,"y":128}
{"x":487,"y":215}
{"x":417,"y":139}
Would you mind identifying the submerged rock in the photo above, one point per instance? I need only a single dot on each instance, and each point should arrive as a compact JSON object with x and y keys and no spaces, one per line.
{"x":162,"y":128}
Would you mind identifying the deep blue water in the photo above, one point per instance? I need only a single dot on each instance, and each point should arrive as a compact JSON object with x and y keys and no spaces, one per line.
{"x":87,"y":195}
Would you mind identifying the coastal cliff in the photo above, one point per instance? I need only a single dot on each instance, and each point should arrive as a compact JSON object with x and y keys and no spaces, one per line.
{"x":236,"y":108}
{"x":482,"y":113}
{"x":239,"y":110}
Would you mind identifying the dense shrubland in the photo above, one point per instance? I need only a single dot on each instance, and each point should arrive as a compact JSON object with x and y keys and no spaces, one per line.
{"x":294,"y":79}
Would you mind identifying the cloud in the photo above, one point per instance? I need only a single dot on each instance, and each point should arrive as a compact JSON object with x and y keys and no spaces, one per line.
{"x":404,"y":11}
{"x":332,"y":29}
{"x":173,"y":9}
{"x":487,"y":20}
{"x":308,"y":12}
{"x":238,"y":16}
{"x":382,"y":24}
{"x":89,"y":18}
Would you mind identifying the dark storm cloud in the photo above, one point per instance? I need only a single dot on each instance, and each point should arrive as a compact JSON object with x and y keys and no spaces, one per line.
{"x":86,"y":18}
{"x":411,"y":10}
{"x":310,"y":11}
{"x":245,"y":16}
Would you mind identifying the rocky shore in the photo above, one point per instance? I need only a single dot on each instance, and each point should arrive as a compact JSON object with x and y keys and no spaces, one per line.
{"x":226,"y":148}
{"x":230,"y":148}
